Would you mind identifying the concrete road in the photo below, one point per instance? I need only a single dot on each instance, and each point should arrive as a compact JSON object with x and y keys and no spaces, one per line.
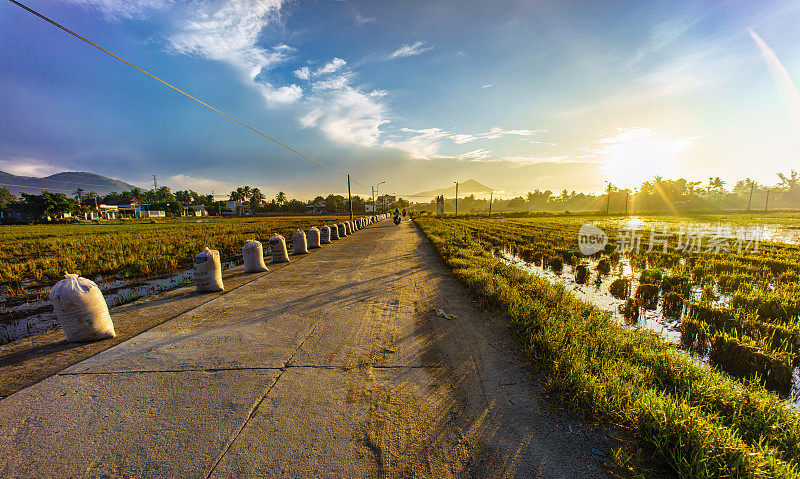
{"x":338,"y":364}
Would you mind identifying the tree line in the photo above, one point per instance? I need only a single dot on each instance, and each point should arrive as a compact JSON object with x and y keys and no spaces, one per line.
{"x":658,"y":194}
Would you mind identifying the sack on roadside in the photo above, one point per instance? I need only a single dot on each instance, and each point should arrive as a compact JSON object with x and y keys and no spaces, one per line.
{"x":81,"y":309}
{"x":277,"y":244}
{"x":299,"y":242}
{"x":313,"y":238}
{"x":208,"y":272}
{"x":325,"y":235}
{"x":334,"y":232}
{"x":253,"y":256}
{"x":342,"y":230}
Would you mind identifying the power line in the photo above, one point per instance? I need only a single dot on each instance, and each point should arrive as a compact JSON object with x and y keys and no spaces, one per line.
{"x":58,"y":25}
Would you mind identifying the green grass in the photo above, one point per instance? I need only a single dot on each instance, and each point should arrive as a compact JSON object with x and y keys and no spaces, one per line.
{"x":700,"y":421}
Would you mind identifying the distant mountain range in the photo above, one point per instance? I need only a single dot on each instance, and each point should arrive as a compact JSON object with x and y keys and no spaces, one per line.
{"x":66,"y":182}
{"x":466,"y":188}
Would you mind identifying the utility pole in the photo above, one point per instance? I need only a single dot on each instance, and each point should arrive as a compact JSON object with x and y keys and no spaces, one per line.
{"x":626,"y":201}
{"x":373,"y":200}
{"x":491,"y":197}
{"x":752,"y":184}
{"x":766,"y":204}
{"x":608,"y":197}
{"x":155,"y":183}
{"x":349,"y":198}
{"x":456,"y":182}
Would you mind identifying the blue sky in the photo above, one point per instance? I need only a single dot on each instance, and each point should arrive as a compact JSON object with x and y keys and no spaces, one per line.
{"x":517,"y":95}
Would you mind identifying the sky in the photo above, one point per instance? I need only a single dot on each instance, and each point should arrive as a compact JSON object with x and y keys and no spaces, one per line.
{"x":518,"y":95}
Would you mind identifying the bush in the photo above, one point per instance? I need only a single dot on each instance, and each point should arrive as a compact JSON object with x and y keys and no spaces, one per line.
{"x":620,"y":288}
{"x":647,"y":294}
{"x":603,"y":266}
{"x":582,"y":273}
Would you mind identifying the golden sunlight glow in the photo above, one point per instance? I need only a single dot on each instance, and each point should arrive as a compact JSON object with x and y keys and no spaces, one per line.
{"x":638,"y":154}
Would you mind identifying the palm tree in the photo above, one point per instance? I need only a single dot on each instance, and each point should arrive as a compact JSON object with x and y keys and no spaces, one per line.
{"x":256,"y":197}
{"x":236,"y":195}
{"x":247,"y":191}
{"x":79,"y":194}
{"x":281,"y":198}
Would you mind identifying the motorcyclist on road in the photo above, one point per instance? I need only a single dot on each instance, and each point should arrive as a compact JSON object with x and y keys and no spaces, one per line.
{"x":404,"y":212}
{"x":396,"y":215}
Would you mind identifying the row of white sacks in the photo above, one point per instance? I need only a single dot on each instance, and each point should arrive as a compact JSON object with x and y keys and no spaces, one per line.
{"x":82,"y":311}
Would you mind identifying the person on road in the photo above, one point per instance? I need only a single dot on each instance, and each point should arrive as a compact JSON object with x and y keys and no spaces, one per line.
{"x":404,"y":212}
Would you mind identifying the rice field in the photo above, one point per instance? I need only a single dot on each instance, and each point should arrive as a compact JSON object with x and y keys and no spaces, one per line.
{"x":711,"y":396}
{"x":712,"y":284}
{"x":122,"y":255}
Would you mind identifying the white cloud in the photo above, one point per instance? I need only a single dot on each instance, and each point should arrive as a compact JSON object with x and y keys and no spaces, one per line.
{"x":463,"y":138}
{"x":333,"y":83}
{"x":533,"y":160}
{"x":331,"y":66}
{"x":228,"y":31}
{"x":28,"y":167}
{"x":303,"y":73}
{"x":362,"y":20}
{"x":115,"y":9}
{"x":488,"y":85}
{"x":475,"y":155}
{"x":409,"y":50}
{"x":201,"y":185}
{"x":425,"y":143}
{"x":344,"y":112}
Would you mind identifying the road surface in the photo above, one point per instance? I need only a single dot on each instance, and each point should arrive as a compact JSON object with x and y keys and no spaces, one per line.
{"x":363,"y":359}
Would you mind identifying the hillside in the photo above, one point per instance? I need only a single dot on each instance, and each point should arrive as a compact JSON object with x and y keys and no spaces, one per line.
{"x":466,"y":188}
{"x":65,"y":182}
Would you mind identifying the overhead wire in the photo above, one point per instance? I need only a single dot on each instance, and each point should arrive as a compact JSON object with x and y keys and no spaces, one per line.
{"x":58,"y":25}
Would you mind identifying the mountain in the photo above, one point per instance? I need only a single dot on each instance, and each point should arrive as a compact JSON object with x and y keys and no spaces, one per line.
{"x":466,"y":188}
{"x":65,"y":182}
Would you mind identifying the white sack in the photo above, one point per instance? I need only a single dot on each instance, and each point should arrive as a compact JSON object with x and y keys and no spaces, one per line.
{"x":299,"y":242}
{"x":278,"y":246}
{"x":325,"y":235}
{"x":208,"y":272}
{"x":253,"y":256}
{"x":81,"y":309}
{"x":313,"y":238}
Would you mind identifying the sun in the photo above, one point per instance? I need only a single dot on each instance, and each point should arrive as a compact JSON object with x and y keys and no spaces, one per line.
{"x":639,"y":154}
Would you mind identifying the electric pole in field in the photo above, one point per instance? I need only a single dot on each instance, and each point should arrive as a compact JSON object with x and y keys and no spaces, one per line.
{"x":608,"y":197}
{"x":349,"y":198}
{"x":491,"y":197}
{"x":626,"y":201}
{"x":155,"y":183}
{"x":750,"y":200}
{"x":766,"y":203}
{"x":456,"y":182}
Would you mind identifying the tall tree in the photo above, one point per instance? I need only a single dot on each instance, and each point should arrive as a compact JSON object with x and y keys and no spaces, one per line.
{"x":790,"y":183}
{"x":280,"y":198}
{"x":6,"y":197}
{"x":256,"y":197}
